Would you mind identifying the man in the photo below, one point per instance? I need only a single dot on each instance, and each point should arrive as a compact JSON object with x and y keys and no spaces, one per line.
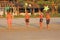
{"x":47,"y":19}
{"x":27,"y":17}
{"x":9,"y":20}
{"x":41,"y":19}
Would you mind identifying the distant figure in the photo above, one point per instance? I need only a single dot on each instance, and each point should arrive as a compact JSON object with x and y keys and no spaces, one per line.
{"x":41,"y":19}
{"x":27,"y":17}
{"x":48,"y":19}
{"x":9,"y":20}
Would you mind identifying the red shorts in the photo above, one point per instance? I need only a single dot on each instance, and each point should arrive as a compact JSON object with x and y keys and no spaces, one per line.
{"x":41,"y":20}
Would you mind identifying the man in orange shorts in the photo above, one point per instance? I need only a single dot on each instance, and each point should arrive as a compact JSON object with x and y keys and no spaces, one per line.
{"x":9,"y":20}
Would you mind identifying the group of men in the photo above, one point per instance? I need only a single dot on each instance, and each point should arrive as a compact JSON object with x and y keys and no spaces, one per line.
{"x":27,"y":18}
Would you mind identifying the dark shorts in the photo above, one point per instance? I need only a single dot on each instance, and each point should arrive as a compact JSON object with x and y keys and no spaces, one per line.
{"x":26,"y":20}
{"x":41,"y":20}
{"x":48,"y":21}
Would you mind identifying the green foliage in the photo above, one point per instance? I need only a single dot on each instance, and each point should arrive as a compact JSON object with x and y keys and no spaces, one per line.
{"x":55,"y":15}
{"x":20,"y":16}
{"x":20,"y":0}
{"x":44,"y":2}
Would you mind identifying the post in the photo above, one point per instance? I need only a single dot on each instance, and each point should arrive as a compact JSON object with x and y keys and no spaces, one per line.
{"x":25,"y":6}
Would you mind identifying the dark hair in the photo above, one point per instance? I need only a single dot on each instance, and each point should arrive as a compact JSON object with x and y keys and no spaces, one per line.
{"x":8,"y":10}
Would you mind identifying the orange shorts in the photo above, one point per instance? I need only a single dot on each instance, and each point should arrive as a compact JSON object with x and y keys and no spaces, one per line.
{"x":9,"y":21}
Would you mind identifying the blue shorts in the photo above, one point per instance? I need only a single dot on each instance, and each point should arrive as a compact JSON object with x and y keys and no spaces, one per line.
{"x":48,"y":21}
